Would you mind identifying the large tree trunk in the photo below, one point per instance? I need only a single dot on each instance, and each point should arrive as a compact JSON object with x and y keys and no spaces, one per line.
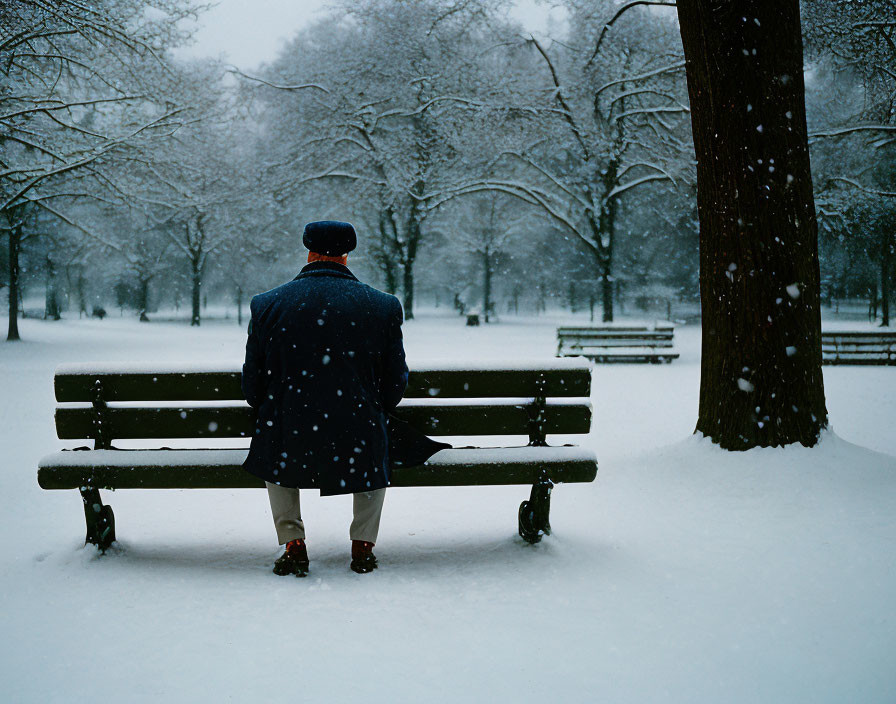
{"x":886,"y":260}
{"x":144,"y":294}
{"x":197,"y":290}
{"x":385,"y":254}
{"x":15,"y":235}
{"x":761,"y":382}
{"x":872,"y":302}
{"x":144,"y":299}
{"x":389,"y":275}
{"x":82,"y":294}
{"x":51,"y":299}
{"x":410,"y":257}
{"x":486,"y":284}
{"x":607,"y":235}
{"x":408,"y":289}
{"x":606,"y":287}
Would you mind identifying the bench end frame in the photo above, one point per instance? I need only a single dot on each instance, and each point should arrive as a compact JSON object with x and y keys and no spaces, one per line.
{"x":100,"y":519}
{"x":534,"y":514}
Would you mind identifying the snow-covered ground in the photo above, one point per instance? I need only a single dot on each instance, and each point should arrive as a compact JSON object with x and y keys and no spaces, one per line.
{"x":682,"y":574}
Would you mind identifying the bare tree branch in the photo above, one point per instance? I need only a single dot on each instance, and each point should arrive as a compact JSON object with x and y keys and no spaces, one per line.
{"x":619,"y":13}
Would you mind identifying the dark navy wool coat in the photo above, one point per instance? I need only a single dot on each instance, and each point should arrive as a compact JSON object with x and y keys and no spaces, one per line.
{"x":324,"y":365}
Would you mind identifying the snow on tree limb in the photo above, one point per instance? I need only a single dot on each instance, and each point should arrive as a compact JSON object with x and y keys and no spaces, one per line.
{"x":866,"y":189}
{"x":278,"y":86}
{"x":622,"y":188}
{"x":622,"y":10}
{"x":670,"y":68}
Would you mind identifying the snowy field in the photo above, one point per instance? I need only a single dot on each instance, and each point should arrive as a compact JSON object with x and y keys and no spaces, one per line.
{"x":682,"y":574}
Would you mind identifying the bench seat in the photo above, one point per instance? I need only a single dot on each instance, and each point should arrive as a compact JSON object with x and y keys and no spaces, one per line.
{"x":222,"y":468}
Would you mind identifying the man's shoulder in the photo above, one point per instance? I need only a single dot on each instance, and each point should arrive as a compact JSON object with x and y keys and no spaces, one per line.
{"x":381,"y":296}
{"x":262,"y":300}
{"x":381,"y":299}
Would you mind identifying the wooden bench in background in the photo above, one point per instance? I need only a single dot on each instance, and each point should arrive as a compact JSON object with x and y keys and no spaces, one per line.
{"x":150,"y":407}
{"x":617,"y":344}
{"x":872,"y":347}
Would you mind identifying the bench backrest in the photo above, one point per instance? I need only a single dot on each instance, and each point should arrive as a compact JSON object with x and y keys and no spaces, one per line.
{"x":859,"y":339}
{"x":572,"y":338}
{"x":123,"y":402}
{"x":857,"y":346}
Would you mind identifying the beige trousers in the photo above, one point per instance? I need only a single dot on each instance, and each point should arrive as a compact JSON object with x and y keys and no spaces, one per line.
{"x":285,"y":507}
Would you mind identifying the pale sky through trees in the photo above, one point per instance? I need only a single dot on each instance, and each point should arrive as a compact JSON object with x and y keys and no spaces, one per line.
{"x":247,"y":34}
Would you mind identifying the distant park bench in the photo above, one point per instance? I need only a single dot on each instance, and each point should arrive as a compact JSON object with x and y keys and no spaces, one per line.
{"x":617,"y":344}
{"x":871,"y":347}
{"x":106,"y":403}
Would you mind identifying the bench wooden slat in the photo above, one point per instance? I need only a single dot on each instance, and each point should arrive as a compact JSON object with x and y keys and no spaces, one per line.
{"x":857,"y":342}
{"x":864,"y":360}
{"x":611,"y":334}
{"x":616,"y":342}
{"x":222,"y":469}
{"x":624,"y":357}
{"x":616,"y":328}
{"x":858,"y":347}
{"x":492,"y":418}
{"x":857,"y":334}
{"x":75,"y":383}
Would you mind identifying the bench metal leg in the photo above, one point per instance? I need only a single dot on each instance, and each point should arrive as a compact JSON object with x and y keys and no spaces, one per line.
{"x":534,"y":514}
{"x":100,"y":519}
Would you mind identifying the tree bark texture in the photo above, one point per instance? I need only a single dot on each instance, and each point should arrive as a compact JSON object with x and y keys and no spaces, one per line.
{"x":144,"y":295}
{"x":886,"y":260}
{"x":606,"y":287}
{"x":51,"y":299}
{"x":197,"y":289}
{"x":13,"y":329}
{"x":385,"y":252}
{"x":410,"y":257}
{"x":606,"y":237}
{"x":82,"y":294}
{"x":408,"y":289}
{"x":761,"y":382}
{"x":486,"y":283}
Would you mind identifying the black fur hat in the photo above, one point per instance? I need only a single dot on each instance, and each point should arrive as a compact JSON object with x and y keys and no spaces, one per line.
{"x":330,"y":237}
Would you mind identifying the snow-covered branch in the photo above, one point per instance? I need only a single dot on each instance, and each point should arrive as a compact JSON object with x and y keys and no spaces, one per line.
{"x":866,"y":189}
{"x":622,"y":10}
{"x":622,"y":188}
{"x":670,"y":68}
{"x":649,"y":111}
{"x":278,"y":86}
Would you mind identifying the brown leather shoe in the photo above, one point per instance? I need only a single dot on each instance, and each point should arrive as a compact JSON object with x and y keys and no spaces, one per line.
{"x":363,"y":559}
{"x":294,"y":560}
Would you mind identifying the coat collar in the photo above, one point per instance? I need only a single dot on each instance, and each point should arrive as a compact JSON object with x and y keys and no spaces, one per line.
{"x":325,"y":269}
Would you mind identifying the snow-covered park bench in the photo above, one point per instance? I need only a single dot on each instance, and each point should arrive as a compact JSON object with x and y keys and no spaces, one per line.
{"x":871,"y":347}
{"x":617,"y":343}
{"x":146,"y":410}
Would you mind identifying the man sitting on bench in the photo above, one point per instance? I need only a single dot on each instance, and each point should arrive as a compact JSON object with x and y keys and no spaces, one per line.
{"x":324,"y":366}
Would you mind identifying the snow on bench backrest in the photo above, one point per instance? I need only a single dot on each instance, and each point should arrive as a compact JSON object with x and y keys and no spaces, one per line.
{"x":145,"y":381}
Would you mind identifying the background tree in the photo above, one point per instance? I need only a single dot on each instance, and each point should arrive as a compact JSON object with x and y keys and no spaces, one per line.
{"x":79,"y":90}
{"x":485,"y":227}
{"x":605,"y":124}
{"x":376,"y":105}
{"x":853,"y":50}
